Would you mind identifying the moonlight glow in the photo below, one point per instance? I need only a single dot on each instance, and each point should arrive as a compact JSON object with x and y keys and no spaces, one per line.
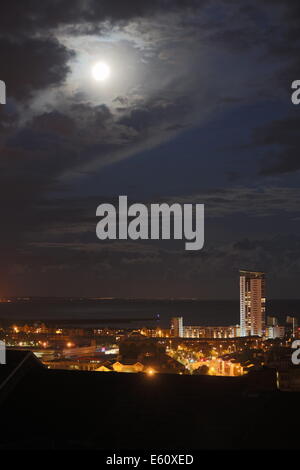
{"x":101,"y":71}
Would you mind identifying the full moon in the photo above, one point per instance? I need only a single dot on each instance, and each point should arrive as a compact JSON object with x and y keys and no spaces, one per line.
{"x":101,"y":71}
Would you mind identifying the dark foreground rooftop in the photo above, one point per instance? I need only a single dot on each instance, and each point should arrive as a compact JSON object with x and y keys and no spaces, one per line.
{"x":53,"y":409}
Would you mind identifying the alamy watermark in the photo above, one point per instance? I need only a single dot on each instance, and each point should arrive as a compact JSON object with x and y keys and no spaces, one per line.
{"x":160,"y":221}
{"x":2,"y":92}
{"x":295,"y":97}
{"x":2,"y":353}
{"x":296,"y":354}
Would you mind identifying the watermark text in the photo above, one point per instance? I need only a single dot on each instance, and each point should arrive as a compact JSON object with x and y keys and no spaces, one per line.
{"x":159,"y":221}
{"x":2,"y":92}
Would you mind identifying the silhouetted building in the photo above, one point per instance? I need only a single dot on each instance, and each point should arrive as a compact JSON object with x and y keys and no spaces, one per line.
{"x":18,"y":364}
{"x":61,"y":409}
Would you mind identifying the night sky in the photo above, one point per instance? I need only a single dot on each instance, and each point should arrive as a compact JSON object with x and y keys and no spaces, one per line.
{"x":197,"y":109}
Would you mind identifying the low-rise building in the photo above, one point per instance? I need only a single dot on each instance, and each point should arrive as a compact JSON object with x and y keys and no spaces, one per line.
{"x":212,"y":331}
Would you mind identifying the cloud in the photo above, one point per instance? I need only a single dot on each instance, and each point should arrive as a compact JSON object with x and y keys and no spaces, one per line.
{"x":32,"y":64}
{"x":177,"y":65}
{"x":36,"y":16}
{"x":281,"y":139}
{"x":260,"y":202}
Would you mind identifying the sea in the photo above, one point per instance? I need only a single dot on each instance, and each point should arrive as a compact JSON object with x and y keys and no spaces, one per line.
{"x":136,"y":313}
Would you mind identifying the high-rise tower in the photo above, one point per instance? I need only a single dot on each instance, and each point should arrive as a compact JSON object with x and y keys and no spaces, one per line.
{"x":252,"y":303}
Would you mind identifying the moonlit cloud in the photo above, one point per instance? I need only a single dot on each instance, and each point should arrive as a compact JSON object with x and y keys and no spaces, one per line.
{"x":196,"y":108}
